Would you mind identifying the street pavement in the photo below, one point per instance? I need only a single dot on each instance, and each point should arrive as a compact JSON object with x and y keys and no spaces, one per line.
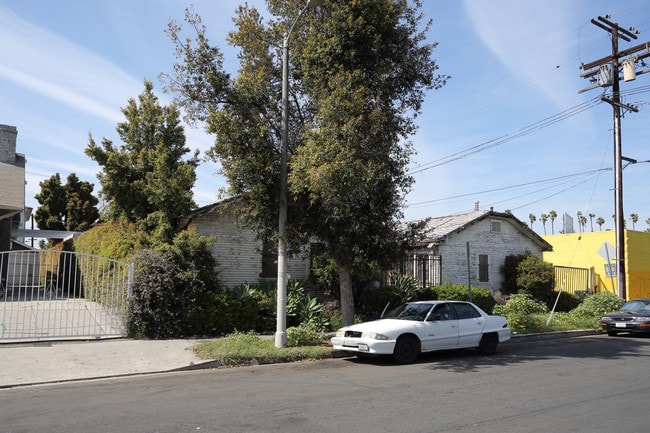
{"x":42,"y":362}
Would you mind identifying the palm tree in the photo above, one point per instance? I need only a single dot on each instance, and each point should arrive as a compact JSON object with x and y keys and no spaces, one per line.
{"x":635,"y":218}
{"x":648,"y":223}
{"x":591,"y":221}
{"x":552,"y":215}
{"x":533,"y":218}
{"x":544,"y":218}
{"x":580,"y":220}
{"x":600,"y":221}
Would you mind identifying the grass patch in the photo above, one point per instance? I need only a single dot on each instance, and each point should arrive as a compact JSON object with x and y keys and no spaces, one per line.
{"x":241,"y":348}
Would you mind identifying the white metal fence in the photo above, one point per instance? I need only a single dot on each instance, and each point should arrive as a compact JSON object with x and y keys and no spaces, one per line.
{"x":49,"y":294}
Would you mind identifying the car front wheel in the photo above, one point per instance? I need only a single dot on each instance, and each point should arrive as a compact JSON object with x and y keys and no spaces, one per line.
{"x":488,"y":344}
{"x":406,"y":349}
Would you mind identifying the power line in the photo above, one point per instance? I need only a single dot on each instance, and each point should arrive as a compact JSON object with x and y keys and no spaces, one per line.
{"x":565,"y":179}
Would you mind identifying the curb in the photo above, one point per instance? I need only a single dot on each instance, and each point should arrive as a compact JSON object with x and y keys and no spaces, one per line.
{"x":521,"y":338}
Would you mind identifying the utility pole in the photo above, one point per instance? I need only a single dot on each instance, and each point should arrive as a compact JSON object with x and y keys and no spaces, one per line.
{"x":607,"y":70}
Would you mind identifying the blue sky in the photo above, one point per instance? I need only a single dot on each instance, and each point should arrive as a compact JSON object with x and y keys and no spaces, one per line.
{"x":509,"y":130}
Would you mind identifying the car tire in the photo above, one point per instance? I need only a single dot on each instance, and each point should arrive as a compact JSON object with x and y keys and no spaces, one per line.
{"x":612,"y":333}
{"x":488,"y":344}
{"x":407,"y":349}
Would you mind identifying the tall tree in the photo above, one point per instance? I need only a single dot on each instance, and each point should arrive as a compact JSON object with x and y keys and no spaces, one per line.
{"x":359,"y":73}
{"x":552,"y":215}
{"x":70,"y":207}
{"x":634,"y":217}
{"x":600,"y":221}
{"x":591,"y":220}
{"x":544,"y":219}
{"x":532,"y":219}
{"x":146,"y":180}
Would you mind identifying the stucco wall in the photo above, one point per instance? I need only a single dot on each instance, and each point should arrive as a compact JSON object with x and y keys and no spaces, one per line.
{"x":581,"y":250}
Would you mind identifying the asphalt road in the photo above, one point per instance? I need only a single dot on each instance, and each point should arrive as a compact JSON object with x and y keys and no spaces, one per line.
{"x":587,"y":384}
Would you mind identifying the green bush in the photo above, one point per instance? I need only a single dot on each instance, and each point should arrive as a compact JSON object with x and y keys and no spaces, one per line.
{"x":305,"y":334}
{"x":593,"y":307}
{"x":521,"y":304}
{"x":459,"y":292}
{"x":370,"y":303}
{"x":566,"y":302}
{"x":537,"y":278}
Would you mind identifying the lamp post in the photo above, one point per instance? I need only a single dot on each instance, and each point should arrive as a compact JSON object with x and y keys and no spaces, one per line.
{"x":281,"y":324}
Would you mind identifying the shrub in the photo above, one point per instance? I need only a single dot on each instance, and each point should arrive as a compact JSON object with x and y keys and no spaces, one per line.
{"x":536,"y":277}
{"x":588,"y":313}
{"x":155,"y":308}
{"x":521,"y":304}
{"x":370,"y":303}
{"x":305,"y":334}
{"x":566,"y":302}
{"x":459,"y":292}
{"x":509,"y":272}
{"x":407,"y":287}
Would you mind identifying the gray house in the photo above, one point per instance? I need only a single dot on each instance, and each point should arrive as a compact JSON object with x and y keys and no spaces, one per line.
{"x":241,"y":256}
{"x":470,"y":247}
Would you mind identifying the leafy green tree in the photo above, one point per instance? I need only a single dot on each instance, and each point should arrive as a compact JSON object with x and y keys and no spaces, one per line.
{"x":600,"y":221}
{"x":70,"y":207}
{"x":146,"y":180}
{"x":359,"y":73}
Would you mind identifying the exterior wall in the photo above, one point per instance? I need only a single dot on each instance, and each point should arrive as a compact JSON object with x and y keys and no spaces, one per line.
{"x":483,"y":241}
{"x":238,"y":252}
{"x":581,"y":250}
{"x":637,"y":261}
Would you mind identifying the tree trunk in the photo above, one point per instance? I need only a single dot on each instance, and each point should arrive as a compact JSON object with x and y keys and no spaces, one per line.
{"x":347,"y":298}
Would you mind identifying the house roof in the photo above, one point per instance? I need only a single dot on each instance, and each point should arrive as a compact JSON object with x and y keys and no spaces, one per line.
{"x":438,"y":229}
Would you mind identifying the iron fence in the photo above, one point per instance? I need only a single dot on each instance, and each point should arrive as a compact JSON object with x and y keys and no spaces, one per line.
{"x":62,"y":294}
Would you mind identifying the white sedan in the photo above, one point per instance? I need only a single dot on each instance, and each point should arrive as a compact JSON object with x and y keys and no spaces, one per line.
{"x":425,"y":326}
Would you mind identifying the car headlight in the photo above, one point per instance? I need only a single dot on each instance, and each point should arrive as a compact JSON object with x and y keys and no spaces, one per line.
{"x":374,"y":336}
{"x":642,"y":319}
{"x":606,"y":319}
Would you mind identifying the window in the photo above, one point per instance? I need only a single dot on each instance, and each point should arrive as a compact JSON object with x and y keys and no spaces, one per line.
{"x":483,"y":268}
{"x":466,"y":311}
{"x":496,"y":227}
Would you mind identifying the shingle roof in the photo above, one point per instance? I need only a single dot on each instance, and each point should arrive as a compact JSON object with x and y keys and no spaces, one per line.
{"x":438,"y":229}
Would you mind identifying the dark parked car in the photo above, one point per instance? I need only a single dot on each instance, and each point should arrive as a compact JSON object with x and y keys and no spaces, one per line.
{"x":633,"y":316}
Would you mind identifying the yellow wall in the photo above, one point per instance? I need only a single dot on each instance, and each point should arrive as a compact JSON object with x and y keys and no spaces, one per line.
{"x":581,"y":250}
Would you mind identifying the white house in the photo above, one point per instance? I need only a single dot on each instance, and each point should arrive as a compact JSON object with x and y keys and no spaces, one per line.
{"x":470,"y":248}
{"x":241,"y":257}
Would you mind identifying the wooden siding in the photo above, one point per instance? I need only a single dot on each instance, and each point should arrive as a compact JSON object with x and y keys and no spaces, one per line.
{"x":239,"y":253}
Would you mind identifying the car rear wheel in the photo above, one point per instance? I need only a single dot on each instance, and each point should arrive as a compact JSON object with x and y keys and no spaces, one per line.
{"x":612,"y":333}
{"x":406,"y":349}
{"x":488,"y":344}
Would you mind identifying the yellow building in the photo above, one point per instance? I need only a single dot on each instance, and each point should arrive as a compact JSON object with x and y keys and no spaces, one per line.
{"x":585,"y":250}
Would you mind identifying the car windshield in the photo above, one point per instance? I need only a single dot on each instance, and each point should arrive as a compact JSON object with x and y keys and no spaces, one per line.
{"x":635,"y":306}
{"x":409,"y":312}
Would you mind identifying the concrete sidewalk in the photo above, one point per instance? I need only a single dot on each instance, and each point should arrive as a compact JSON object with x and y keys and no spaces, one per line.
{"x":58,"y":361}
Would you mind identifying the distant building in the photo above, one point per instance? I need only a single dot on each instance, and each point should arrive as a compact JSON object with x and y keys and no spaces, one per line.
{"x":12,"y":186}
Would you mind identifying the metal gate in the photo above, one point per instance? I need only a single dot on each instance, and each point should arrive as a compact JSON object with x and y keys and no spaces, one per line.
{"x":50,"y":294}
